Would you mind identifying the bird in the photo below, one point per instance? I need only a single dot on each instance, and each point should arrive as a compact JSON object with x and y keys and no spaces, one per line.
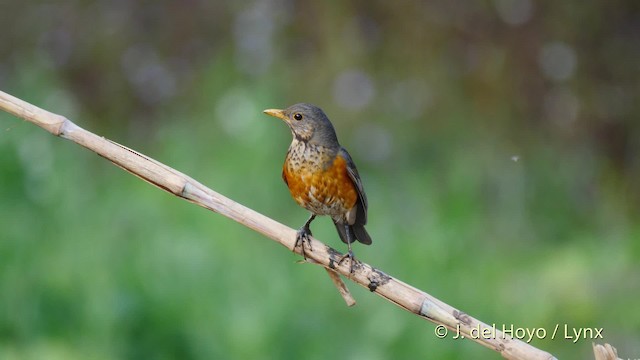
{"x":322,"y":177}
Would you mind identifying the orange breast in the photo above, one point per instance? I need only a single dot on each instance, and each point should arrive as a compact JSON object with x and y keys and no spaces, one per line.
{"x":327,"y":191}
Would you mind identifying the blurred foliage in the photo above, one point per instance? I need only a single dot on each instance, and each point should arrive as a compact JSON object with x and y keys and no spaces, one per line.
{"x":498,"y":142}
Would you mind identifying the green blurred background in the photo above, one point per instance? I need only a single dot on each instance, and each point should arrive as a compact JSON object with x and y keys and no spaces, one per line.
{"x":498,"y":142}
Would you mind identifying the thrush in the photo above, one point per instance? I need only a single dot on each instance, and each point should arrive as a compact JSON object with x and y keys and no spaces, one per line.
{"x":322,"y":177}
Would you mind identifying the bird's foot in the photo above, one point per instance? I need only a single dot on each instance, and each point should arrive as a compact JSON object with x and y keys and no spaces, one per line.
{"x":351,"y":258}
{"x":303,"y":236}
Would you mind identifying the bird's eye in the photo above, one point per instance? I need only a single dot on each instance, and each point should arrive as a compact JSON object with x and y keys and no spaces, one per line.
{"x":297,"y":116}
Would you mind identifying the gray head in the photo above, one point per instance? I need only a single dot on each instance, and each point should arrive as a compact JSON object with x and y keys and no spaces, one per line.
{"x":308,"y":123}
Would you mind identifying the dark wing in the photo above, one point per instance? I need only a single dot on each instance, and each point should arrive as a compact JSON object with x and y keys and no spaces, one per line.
{"x":361,"y":213}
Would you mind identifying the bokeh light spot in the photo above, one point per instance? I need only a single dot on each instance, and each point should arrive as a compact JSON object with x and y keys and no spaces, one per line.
{"x":514,"y":12}
{"x":353,"y":89}
{"x":373,"y":142}
{"x":557,"y":61}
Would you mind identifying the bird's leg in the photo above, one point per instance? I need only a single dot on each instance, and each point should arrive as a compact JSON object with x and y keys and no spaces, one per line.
{"x":303,"y":234}
{"x":349,"y":254}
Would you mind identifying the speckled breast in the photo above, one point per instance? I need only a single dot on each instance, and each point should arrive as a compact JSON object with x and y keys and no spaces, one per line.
{"x":318,"y":180}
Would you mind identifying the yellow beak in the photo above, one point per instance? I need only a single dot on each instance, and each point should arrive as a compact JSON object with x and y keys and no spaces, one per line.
{"x":276,"y":113}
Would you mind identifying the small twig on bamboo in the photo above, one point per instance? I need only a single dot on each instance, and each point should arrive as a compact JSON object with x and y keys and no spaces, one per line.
{"x":407,"y":297}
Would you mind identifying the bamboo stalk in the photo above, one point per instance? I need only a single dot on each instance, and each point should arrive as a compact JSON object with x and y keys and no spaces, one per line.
{"x":395,"y":291}
{"x":605,"y":352}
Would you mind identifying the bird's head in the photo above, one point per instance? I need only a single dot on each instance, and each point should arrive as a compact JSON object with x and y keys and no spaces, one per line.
{"x":308,"y":123}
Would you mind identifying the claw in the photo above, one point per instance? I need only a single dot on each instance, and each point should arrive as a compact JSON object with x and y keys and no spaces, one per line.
{"x":349,"y":253}
{"x":351,"y":257}
{"x":302,"y":237}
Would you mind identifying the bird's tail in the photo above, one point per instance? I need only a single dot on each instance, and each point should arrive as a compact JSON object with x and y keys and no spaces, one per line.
{"x":356,"y":232}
